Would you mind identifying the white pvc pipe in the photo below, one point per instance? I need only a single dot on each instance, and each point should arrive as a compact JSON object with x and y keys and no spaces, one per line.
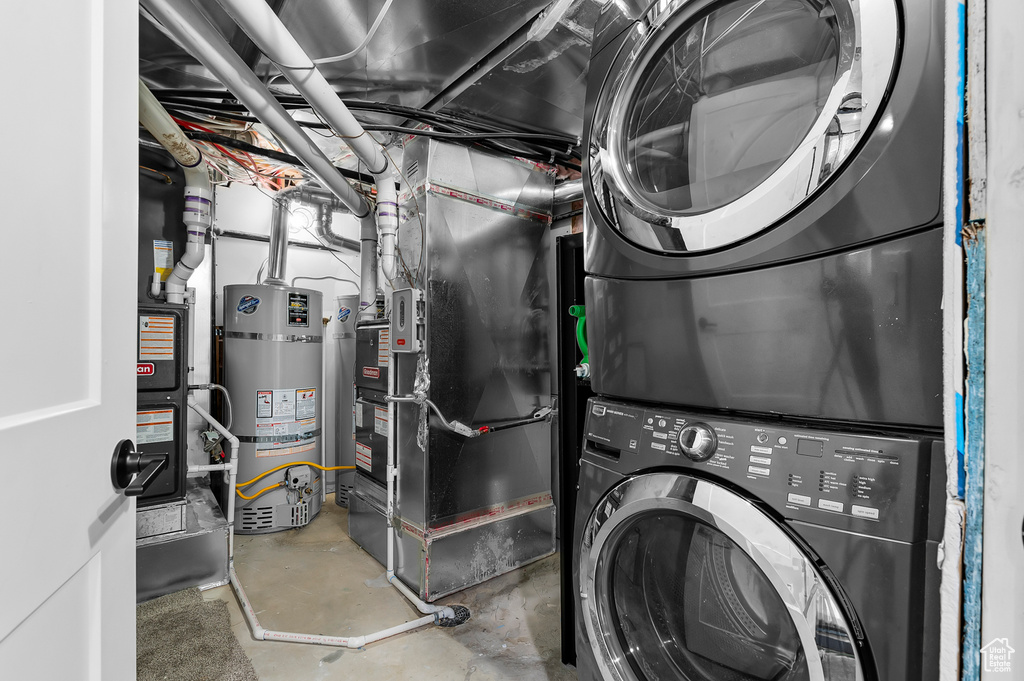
{"x":231,"y":466}
{"x":198,"y":191}
{"x":184,"y":20}
{"x":261,"y":634}
{"x":263,"y":26}
{"x":391,"y":476}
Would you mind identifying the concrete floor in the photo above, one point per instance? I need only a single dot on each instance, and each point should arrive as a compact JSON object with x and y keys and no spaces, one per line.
{"x":317,"y":580}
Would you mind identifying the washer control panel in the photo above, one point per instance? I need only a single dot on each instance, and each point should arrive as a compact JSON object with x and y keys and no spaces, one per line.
{"x":867,"y":483}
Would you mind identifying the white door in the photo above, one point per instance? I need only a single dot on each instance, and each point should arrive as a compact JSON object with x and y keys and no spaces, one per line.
{"x":68,"y":258}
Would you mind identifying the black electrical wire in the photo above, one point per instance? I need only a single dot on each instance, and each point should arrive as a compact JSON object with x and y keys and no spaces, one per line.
{"x":538,"y":146}
{"x":466,"y":118}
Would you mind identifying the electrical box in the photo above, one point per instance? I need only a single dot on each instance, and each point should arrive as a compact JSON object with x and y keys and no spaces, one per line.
{"x":407,"y":312}
{"x":162,"y":389}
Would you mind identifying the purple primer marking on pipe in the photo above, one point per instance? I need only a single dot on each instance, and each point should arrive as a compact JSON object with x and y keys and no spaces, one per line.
{"x":198,"y":198}
{"x":387,"y":215}
{"x":197,"y":233}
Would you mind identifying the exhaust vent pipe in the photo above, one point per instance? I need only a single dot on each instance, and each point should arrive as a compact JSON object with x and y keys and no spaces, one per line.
{"x":198,"y":192}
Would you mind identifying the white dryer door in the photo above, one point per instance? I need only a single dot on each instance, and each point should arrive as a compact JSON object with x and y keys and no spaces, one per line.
{"x":720,"y":118}
{"x":683,"y":579}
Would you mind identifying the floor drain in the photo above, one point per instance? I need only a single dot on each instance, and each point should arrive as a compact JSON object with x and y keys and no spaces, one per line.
{"x":461,"y":616}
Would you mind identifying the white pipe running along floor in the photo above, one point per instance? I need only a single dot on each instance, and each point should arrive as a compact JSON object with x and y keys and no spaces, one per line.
{"x":315,"y":579}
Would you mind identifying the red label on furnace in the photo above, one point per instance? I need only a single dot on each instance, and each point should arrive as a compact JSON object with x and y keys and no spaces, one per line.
{"x":371,"y":372}
{"x":145,"y":369}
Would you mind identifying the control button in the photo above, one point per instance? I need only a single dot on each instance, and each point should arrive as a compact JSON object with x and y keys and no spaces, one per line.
{"x":658,"y":445}
{"x":760,"y":450}
{"x":763,"y":460}
{"x":650,"y":421}
{"x":759,"y":471}
{"x":799,"y":499}
{"x":662,"y":423}
{"x":762,"y":437}
{"x":864,"y":512}
{"x":698,"y":442}
{"x":782,"y":440}
{"x":828,"y":505}
{"x":660,"y":436}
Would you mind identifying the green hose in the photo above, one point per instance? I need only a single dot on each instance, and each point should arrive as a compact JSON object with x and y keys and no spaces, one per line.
{"x":580,"y":313}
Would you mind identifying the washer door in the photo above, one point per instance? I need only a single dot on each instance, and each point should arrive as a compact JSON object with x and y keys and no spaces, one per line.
{"x":682,"y":579}
{"x":722,"y":117}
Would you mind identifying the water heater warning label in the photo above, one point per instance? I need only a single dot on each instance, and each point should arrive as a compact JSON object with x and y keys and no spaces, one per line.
{"x":364,"y":456}
{"x":284,"y":405}
{"x":156,"y":338}
{"x":154,"y":426}
{"x":305,"y":403}
{"x":264,"y":404}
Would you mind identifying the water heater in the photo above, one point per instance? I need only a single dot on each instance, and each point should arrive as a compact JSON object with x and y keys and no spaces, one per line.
{"x":273,"y":358}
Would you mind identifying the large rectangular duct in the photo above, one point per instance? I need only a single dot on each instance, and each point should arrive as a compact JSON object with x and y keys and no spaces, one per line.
{"x":474,"y":238}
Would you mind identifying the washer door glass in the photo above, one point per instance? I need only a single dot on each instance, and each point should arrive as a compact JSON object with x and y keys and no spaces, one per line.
{"x":683,"y":579}
{"x":688,"y":603}
{"x":726,"y":116}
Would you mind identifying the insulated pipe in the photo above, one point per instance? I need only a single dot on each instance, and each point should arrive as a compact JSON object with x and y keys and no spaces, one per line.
{"x":264,"y":28}
{"x":198,"y":192}
{"x":188,"y":25}
{"x":568,"y":191}
{"x":231,"y":466}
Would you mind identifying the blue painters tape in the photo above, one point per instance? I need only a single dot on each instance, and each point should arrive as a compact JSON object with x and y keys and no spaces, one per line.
{"x":975,"y":456}
{"x":961,"y":471}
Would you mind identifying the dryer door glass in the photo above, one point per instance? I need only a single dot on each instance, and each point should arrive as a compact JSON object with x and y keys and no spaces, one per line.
{"x":721,"y":118}
{"x":690,"y":604}
{"x":726,"y":101}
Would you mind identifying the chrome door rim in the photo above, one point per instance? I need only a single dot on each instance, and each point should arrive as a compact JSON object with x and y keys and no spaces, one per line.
{"x":763,"y":205}
{"x":726,"y":512}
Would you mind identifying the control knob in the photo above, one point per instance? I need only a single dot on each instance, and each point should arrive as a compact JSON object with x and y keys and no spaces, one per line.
{"x":698,"y":442}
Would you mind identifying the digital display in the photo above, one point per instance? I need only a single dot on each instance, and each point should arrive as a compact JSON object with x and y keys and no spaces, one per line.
{"x":810,"y":447}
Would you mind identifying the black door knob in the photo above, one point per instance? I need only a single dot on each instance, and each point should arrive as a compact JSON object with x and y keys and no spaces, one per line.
{"x":132,"y":472}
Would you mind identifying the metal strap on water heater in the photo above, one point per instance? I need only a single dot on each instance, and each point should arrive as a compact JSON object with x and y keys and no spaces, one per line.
{"x":277,"y":337}
{"x":264,"y":439}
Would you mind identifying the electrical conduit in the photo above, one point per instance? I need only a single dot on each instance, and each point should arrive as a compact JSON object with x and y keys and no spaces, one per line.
{"x":198,"y":192}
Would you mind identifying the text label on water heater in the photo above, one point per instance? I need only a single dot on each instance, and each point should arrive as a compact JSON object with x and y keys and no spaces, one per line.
{"x":371,"y":372}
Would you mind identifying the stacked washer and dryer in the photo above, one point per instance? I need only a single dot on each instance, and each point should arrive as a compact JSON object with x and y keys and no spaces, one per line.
{"x":762,"y":473}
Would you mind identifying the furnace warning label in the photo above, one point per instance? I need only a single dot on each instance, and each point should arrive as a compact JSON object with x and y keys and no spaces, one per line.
{"x":156,"y":338}
{"x":163,"y":259}
{"x":380,"y":421}
{"x":305,"y":404}
{"x":154,"y":426}
{"x":364,"y":458}
{"x":383,"y":347}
